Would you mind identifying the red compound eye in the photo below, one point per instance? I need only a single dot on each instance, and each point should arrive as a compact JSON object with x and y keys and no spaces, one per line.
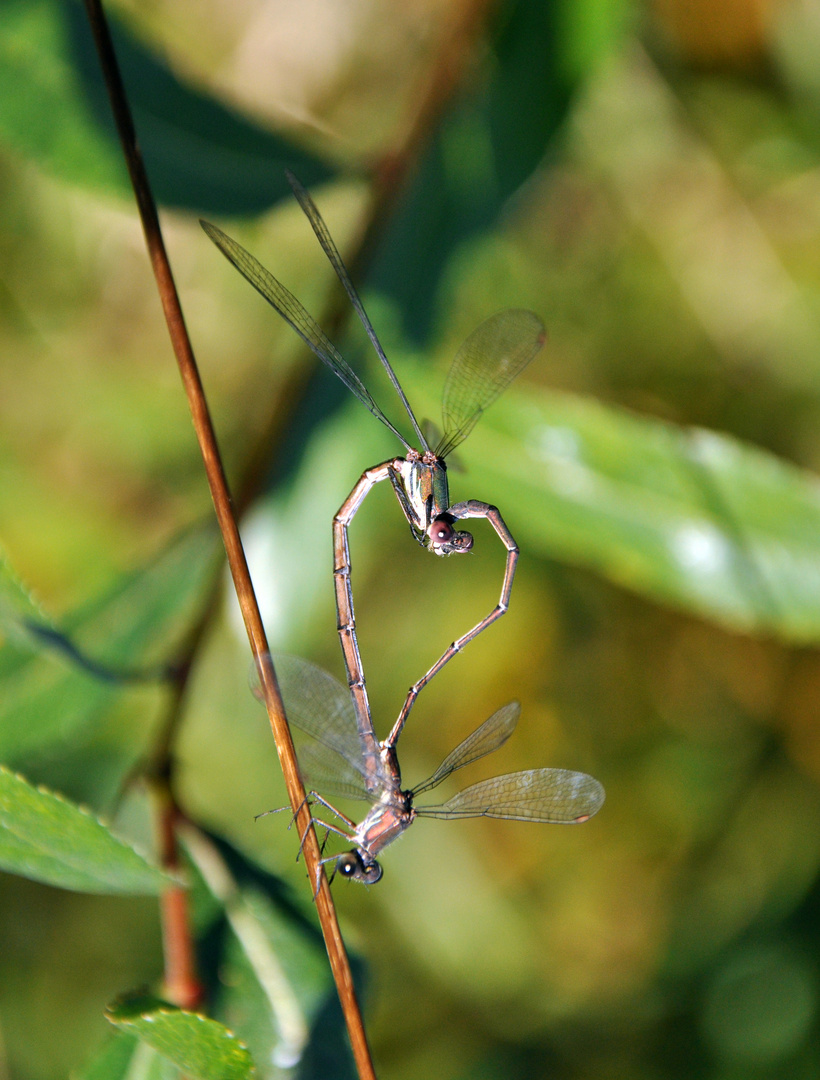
{"x":440,"y":532}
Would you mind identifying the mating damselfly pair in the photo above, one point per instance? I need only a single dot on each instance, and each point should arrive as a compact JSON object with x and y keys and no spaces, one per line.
{"x":487,"y":362}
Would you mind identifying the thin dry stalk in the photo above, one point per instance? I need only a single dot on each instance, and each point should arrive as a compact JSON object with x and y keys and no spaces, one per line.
{"x":220,"y":494}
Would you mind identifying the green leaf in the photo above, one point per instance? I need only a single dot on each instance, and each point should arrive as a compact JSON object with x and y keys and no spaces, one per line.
{"x":49,"y":693}
{"x":201,"y":1047}
{"x":34,"y":54}
{"x":17,"y":605}
{"x":45,"y":837}
{"x":124,"y":1057}
{"x":688,"y":517}
{"x":200,"y":155}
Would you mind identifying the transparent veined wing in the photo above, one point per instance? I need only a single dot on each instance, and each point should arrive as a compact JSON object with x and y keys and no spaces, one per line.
{"x":485,"y":365}
{"x":298,"y":317}
{"x":326,"y":771}
{"x":318,"y":705}
{"x":554,"y":796}
{"x":492,"y":734}
{"x":317,"y":223}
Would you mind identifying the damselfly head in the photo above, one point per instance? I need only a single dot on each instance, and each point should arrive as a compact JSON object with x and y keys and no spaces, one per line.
{"x":353,"y":867}
{"x":444,"y":540}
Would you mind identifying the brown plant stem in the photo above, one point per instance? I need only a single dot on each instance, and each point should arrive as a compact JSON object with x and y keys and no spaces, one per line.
{"x":220,"y":494}
{"x":181,"y":985}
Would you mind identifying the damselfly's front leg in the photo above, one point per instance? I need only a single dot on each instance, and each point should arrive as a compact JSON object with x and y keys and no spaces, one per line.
{"x":313,"y":797}
{"x":470,"y":509}
{"x":346,"y":618}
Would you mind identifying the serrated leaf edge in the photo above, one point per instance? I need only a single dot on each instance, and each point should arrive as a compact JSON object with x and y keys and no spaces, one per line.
{"x":87,"y":812}
{"x":149,"y":1017}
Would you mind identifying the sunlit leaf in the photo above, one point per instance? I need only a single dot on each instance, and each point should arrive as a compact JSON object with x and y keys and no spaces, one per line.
{"x":201,"y":1047}
{"x":45,"y":837}
{"x":34,"y":54}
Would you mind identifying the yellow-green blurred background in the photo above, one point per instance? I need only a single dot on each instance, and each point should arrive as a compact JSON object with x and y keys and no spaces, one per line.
{"x":664,"y":221}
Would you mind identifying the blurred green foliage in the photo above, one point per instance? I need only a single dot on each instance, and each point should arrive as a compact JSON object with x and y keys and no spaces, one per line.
{"x":648,"y":181}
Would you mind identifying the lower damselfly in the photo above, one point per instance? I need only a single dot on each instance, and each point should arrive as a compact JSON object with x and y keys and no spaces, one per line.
{"x":343,"y":758}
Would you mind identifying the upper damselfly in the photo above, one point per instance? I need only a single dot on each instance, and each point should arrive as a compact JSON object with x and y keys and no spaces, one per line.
{"x":487,"y":362}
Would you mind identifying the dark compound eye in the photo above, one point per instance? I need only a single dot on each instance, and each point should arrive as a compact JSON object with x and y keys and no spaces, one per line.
{"x":347,"y":865}
{"x":462,"y":541}
{"x":353,"y":867}
{"x":372,"y":873}
{"x":440,"y":532}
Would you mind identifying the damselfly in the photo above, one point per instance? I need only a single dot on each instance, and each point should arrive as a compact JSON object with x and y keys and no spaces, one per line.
{"x":490,"y":358}
{"x":346,"y":759}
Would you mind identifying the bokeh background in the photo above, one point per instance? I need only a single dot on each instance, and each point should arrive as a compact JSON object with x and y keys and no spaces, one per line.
{"x":644,"y":176}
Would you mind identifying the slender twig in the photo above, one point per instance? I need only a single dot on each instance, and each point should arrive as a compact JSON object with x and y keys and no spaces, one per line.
{"x":181,"y":985}
{"x":220,"y":494}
